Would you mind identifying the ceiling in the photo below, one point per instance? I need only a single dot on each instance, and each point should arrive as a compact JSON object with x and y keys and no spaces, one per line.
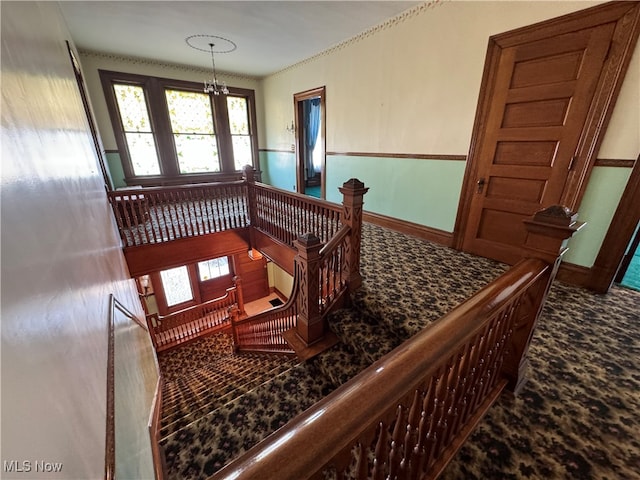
{"x":270,"y":35}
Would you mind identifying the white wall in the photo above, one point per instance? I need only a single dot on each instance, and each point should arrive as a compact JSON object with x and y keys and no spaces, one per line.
{"x":61,"y":257}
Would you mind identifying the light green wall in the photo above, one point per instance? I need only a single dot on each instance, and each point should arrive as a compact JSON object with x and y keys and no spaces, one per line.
{"x":279,"y":169}
{"x":420,"y":191}
{"x":597,"y":208}
{"x":115,"y":170}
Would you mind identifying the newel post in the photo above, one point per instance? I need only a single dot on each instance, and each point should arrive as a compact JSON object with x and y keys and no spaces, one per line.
{"x":307,"y":263}
{"x":548,"y":232}
{"x":353,"y":192}
{"x":237,"y":282}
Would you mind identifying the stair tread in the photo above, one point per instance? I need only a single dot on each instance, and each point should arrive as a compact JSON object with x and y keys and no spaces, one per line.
{"x":175,"y":419}
{"x":236,"y":426}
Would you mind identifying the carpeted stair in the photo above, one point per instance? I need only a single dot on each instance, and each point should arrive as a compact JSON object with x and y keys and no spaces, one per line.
{"x":187,"y":398}
{"x":200,"y":448}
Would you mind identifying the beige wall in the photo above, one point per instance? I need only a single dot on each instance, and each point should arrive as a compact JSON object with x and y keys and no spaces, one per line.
{"x":61,"y":258}
{"x":412,"y":86}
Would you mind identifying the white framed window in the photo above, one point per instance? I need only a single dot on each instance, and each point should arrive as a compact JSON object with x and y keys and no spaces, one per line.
{"x":214,"y":268}
{"x":176,"y":285}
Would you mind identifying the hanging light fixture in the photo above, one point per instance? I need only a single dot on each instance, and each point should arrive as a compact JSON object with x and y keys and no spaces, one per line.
{"x":212,"y":86}
{"x":212,"y":44}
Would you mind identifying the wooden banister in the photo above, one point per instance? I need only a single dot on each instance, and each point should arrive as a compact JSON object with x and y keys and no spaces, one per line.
{"x":190,"y":323}
{"x":264,"y":332}
{"x":406,"y":415}
{"x":420,"y":376}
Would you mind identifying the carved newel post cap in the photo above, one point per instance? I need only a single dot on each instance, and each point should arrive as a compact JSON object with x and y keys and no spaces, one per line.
{"x":556,"y":215}
{"x":248,"y":172}
{"x":353,"y":184}
{"x":309,"y":240}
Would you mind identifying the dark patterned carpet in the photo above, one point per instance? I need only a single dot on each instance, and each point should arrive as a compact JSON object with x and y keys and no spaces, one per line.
{"x":577,"y":418}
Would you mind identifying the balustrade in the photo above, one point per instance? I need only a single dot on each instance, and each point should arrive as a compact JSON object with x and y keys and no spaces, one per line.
{"x":161,"y":214}
{"x":176,"y":328}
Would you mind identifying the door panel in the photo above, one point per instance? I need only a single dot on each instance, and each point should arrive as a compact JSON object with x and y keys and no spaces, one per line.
{"x":542,"y":91}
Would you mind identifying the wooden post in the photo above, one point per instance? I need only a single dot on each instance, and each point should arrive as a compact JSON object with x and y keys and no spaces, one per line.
{"x":547,"y":235}
{"x":310,"y":327}
{"x":234,"y":315}
{"x":237,"y":281}
{"x":353,"y":192}
{"x":248,"y":174}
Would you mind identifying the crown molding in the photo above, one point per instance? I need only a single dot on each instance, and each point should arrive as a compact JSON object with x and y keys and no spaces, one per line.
{"x":387,"y":24}
{"x":157,"y":63}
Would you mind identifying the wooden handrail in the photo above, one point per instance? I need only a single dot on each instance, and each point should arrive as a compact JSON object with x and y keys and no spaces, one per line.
{"x":434,"y":388}
{"x":332,"y":244}
{"x":187,"y":324}
{"x":263,"y":332}
{"x":286,"y":215}
{"x":173,"y":188}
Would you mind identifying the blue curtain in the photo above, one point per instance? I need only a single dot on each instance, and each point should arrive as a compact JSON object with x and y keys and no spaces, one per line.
{"x":311,"y":110}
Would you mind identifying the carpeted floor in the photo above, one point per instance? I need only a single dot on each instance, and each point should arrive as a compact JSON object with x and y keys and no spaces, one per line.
{"x":577,"y":418}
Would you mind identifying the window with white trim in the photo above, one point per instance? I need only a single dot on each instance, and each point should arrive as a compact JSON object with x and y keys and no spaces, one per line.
{"x":176,"y":284}
{"x":214,"y":268}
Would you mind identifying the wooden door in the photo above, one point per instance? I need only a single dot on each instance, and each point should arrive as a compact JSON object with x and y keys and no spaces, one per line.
{"x":541,"y":94}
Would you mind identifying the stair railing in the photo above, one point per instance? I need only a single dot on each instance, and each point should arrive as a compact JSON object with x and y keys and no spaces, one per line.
{"x":161,"y":214}
{"x":264,"y":332}
{"x":406,"y":415}
{"x":319,"y":285}
{"x":176,"y":328}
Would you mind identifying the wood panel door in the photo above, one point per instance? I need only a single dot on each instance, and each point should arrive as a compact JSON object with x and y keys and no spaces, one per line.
{"x":534,"y":132}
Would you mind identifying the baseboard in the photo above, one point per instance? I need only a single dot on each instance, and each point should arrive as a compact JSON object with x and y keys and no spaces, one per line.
{"x":421,"y":231}
{"x":575,"y":275}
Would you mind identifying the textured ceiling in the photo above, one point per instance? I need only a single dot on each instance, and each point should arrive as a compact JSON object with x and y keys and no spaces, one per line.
{"x":269,"y":35}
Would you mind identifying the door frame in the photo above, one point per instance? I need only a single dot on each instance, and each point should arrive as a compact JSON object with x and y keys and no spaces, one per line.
{"x":627,"y":16}
{"x":298,"y":99}
{"x":621,"y":229}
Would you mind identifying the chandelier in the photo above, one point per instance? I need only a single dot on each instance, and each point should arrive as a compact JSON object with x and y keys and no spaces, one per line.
{"x":212,"y":44}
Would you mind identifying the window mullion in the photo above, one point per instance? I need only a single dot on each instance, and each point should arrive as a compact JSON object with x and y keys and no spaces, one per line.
{"x":162,"y":124}
{"x":221,"y":119}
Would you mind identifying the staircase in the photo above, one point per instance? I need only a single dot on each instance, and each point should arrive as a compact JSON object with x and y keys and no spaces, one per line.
{"x":224,"y":405}
{"x":227,"y":403}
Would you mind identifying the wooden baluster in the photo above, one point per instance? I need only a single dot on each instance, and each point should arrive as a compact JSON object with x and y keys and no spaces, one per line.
{"x":380,"y":459}
{"x":310,"y":326}
{"x":396,"y":441}
{"x":411,"y":434}
{"x":352,"y":201}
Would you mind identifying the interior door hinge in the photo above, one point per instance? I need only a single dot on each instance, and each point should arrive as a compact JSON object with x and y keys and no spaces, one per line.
{"x":573,"y":160}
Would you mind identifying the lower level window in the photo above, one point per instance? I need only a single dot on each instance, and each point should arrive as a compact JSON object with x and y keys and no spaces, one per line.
{"x":176,"y":285}
{"x":214,"y":268}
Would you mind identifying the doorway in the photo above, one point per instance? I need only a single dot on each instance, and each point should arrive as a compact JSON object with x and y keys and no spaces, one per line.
{"x":310,"y":126}
{"x":629,"y":272}
{"x":546,"y":97}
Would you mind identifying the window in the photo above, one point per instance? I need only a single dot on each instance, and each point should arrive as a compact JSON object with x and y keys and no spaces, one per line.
{"x":176,"y":285}
{"x":240,"y":135}
{"x":171,"y":131}
{"x":193,"y":134}
{"x":214,"y":268}
{"x":136,"y":128}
